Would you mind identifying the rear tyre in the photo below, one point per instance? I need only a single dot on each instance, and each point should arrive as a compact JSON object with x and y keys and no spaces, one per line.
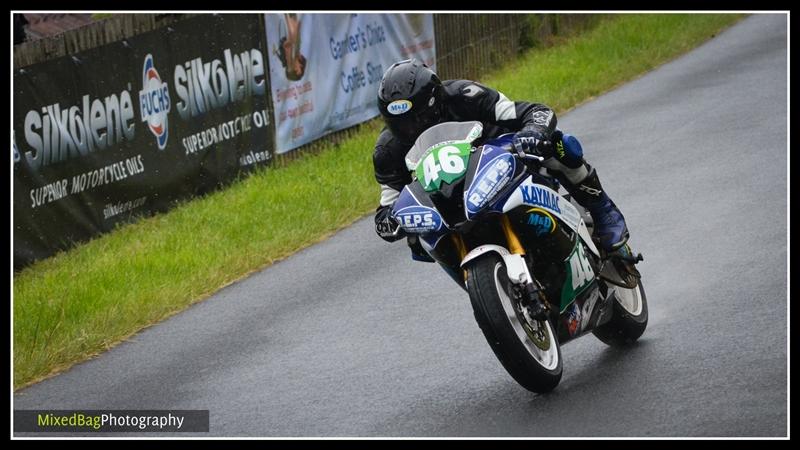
{"x":630,"y":317}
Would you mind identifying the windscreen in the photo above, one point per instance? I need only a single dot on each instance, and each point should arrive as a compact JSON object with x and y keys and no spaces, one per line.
{"x":438,"y":134}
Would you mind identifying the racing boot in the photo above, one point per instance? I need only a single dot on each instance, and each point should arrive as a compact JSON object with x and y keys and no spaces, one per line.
{"x":609,"y":224}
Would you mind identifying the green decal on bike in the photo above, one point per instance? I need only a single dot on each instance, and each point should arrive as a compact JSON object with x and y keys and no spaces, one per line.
{"x":443,"y":163}
{"x":560,"y":149}
{"x":579,"y":275}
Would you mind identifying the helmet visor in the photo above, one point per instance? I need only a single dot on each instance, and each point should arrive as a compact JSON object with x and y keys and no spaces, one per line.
{"x":408,"y":127}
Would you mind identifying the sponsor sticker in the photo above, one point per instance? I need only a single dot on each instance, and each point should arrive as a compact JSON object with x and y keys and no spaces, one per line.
{"x":419,"y":219}
{"x":542,"y":221}
{"x":154,"y":102}
{"x":539,"y":196}
{"x":398,"y":107}
{"x":573,"y":320}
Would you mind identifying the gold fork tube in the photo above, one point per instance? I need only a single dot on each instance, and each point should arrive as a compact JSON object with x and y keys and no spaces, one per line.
{"x":513,"y":241}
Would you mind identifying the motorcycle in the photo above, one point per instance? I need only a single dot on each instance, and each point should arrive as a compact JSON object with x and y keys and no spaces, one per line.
{"x":497,"y":223}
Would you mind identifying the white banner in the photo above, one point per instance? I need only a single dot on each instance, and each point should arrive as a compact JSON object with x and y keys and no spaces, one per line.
{"x":325,"y":69}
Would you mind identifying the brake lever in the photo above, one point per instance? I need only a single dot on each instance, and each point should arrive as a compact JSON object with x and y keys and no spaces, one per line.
{"x":524,"y":155}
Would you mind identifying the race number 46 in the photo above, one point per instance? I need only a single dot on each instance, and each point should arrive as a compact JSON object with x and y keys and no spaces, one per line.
{"x":445,"y":164}
{"x":581,"y":269}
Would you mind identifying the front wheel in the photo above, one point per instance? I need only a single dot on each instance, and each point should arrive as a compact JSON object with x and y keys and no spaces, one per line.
{"x":527,"y":348}
{"x":629,"y":320}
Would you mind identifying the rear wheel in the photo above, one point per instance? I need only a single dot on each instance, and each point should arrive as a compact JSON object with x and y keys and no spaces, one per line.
{"x":527,"y":348}
{"x":630,"y":317}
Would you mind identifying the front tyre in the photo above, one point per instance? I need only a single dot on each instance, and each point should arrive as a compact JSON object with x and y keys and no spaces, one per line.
{"x":528,"y":349}
{"x":629,"y":320}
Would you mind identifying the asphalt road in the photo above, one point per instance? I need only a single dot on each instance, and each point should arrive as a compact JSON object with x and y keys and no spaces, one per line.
{"x":350,"y":337}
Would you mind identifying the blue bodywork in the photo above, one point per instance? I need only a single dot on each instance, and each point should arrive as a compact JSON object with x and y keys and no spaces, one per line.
{"x":492,"y":183}
{"x":418,"y":218}
{"x":496,"y":168}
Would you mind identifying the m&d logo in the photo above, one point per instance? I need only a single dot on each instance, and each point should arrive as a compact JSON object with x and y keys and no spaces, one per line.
{"x":398,"y":107}
{"x":154,"y":103}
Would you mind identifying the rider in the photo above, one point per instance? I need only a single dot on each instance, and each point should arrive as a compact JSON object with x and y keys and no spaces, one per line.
{"x":411,"y":99}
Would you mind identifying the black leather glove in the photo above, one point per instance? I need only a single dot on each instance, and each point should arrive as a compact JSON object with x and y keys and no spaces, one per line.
{"x":534,"y":143}
{"x":385,"y":225}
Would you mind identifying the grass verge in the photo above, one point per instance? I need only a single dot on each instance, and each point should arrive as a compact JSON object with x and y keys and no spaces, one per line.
{"x":78,"y":303}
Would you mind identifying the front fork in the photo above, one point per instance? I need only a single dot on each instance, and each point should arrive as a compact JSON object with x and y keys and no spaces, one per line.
{"x":530,"y":292}
{"x":525,"y":286}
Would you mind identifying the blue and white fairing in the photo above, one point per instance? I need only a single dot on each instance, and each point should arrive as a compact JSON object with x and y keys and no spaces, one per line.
{"x":540,"y":196}
{"x":417,"y":218}
{"x":496,"y":168}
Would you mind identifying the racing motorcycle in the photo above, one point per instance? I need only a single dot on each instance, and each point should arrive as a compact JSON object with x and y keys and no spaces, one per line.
{"x":497,"y":223}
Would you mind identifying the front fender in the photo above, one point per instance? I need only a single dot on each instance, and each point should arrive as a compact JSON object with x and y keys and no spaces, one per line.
{"x":515,"y":264}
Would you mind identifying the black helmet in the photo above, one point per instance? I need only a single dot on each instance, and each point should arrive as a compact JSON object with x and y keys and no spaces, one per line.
{"x":410,"y":99}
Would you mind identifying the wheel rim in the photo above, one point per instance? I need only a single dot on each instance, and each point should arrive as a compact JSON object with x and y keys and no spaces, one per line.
{"x":630,"y":300}
{"x":536,"y":336}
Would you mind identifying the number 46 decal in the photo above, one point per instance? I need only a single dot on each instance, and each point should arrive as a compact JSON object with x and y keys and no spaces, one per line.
{"x":444,"y":164}
{"x":580,"y":268}
{"x":579,"y":275}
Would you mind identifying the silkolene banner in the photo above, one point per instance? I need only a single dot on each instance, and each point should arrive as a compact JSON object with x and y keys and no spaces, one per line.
{"x":131,"y":127}
{"x":325,"y":69}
